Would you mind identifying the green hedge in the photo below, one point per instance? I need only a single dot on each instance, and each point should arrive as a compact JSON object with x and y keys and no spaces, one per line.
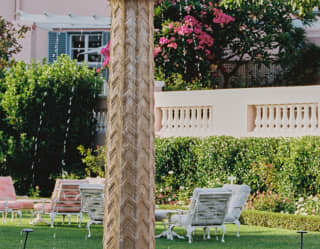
{"x":23,"y":101}
{"x":278,"y":220}
{"x":287,"y":165}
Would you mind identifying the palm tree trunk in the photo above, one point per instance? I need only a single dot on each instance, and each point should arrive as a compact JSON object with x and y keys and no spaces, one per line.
{"x":129,"y":192}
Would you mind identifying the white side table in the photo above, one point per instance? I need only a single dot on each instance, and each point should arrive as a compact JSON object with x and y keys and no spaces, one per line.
{"x":169,"y":233}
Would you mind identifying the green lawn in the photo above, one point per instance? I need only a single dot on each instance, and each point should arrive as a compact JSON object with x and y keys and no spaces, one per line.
{"x":71,"y":237}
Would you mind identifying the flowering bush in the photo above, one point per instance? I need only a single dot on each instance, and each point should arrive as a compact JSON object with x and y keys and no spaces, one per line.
{"x":164,"y":192}
{"x":188,"y":30}
{"x":308,"y":206}
{"x":198,"y":38}
{"x":270,"y":201}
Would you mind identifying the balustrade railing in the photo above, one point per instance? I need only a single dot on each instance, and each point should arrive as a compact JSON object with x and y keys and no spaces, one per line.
{"x":287,"y":117}
{"x":101,"y":117}
{"x":260,"y":112}
{"x":186,"y":120}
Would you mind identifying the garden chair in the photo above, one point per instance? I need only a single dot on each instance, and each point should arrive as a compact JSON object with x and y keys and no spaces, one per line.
{"x":240,"y":194}
{"x":207,"y":209}
{"x":8,"y":199}
{"x":92,"y":196}
{"x":65,"y":201}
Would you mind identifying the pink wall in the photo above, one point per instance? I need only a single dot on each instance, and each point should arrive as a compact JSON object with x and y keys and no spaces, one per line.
{"x":35,"y":45}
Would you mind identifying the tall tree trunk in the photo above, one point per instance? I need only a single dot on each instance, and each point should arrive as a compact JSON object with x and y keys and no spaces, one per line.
{"x":227,"y":81}
{"x":129,"y":192}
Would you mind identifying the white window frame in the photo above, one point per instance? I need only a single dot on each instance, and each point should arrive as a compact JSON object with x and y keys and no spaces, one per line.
{"x":86,"y":47}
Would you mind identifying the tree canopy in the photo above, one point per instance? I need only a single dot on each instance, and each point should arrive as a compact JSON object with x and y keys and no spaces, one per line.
{"x":197,"y":38}
{"x":9,"y":41}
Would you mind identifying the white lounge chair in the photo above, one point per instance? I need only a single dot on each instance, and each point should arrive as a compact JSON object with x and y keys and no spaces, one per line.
{"x":65,"y":201}
{"x":92,"y":196}
{"x":240,"y":194}
{"x":207,"y":209}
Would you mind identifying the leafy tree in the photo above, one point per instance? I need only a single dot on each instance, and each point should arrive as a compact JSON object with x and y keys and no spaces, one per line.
{"x":9,"y":41}
{"x":48,"y":113}
{"x":261,"y":32}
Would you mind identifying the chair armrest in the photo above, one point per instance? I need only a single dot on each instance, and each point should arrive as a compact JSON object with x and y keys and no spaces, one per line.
{"x":181,"y":211}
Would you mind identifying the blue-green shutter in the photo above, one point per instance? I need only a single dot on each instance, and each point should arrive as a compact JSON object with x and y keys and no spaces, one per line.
{"x":105,"y":40}
{"x":57,"y":43}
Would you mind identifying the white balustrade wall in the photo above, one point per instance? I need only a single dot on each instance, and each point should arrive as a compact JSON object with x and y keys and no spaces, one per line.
{"x":287,"y":118}
{"x":186,"y":120}
{"x":261,"y":112}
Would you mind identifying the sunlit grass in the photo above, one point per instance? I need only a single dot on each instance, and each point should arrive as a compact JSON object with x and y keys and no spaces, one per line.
{"x":71,"y":237}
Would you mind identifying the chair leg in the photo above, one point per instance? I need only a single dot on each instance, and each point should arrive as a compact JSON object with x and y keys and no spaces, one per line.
{"x":69,"y":218}
{"x":189,"y":233}
{"x":52,"y":216}
{"x":12,"y":216}
{"x":237,"y":222}
{"x":80,"y":219}
{"x":223,"y":228}
{"x":20,"y":216}
{"x":204,"y":233}
{"x":88,"y":226}
{"x":5,"y":217}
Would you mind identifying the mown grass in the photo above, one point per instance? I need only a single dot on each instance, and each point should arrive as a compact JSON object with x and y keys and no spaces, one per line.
{"x":71,"y":237}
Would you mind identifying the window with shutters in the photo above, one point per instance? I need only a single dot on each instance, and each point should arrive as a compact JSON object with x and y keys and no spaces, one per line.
{"x":85,"y":48}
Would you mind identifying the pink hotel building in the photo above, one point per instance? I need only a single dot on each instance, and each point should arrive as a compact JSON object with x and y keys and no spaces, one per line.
{"x":75,"y":27}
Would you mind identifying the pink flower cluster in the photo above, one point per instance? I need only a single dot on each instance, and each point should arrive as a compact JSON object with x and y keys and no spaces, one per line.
{"x":106,"y":53}
{"x":221,"y":17}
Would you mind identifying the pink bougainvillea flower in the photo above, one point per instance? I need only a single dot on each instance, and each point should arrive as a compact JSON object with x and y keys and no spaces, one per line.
{"x":184,"y":29}
{"x":189,"y":41}
{"x":221,"y":17}
{"x":106,"y":53}
{"x":173,"y":45}
{"x":163,"y":41}
{"x":156,"y":51}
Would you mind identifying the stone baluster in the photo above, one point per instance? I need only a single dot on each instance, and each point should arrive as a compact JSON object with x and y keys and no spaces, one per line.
{"x":258,"y":120}
{"x":305,"y":120}
{"x":271,"y":117}
{"x":176,"y":118}
{"x":313,"y":119}
{"x":278,"y":118}
{"x":292,"y":120}
{"x":210,"y":118}
{"x":183,"y":118}
{"x":187,"y":118}
{"x":264,"y":118}
{"x":104,"y":122}
{"x":164,"y":121}
{"x":199,"y":118}
{"x":170,"y":119}
{"x":285,"y":120}
{"x":299,"y":117}
{"x":192,"y":117}
{"x":206,"y":115}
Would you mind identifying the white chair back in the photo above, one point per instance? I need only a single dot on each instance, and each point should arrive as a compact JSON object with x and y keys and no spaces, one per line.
{"x":92,"y":196}
{"x":240,"y":194}
{"x":208,"y":206}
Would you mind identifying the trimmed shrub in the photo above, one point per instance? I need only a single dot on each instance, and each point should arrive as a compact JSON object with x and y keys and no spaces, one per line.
{"x":34,"y":110}
{"x":278,"y":220}
{"x":290,"y":166}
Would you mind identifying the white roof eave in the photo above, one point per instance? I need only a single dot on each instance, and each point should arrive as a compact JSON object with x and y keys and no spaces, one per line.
{"x":51,"y":21}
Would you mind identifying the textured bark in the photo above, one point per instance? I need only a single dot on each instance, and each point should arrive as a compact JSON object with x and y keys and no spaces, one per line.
{"x":129,"y":193}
